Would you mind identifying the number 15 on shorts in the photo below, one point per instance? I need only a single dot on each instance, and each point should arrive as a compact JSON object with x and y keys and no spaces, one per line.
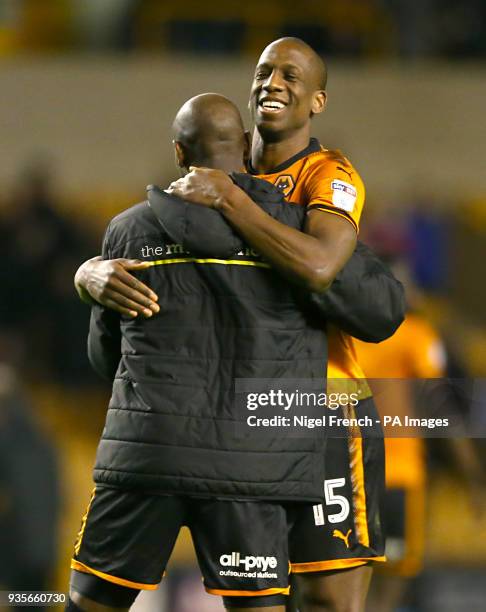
{"x":332,"y":499}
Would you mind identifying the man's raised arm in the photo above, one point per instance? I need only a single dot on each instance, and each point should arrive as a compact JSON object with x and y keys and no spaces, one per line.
{"x":311,"y":258}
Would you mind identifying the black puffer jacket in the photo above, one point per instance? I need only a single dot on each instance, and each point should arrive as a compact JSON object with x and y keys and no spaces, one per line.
{"x":171,"y":421}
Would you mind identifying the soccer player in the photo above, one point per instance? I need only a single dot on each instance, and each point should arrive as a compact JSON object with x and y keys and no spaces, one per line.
{"x":415,"y":351}
{"x":288,"y":90}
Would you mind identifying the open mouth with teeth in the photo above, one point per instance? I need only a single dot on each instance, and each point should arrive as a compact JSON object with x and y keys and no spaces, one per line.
{"x":271,"y":106}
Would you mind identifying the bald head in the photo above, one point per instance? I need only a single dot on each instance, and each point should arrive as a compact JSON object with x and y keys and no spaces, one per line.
{"x":315,"y":64}
{"x":208,"y":131}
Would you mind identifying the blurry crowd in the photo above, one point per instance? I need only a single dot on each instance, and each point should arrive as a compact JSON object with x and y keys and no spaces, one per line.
{"x":42,"y":345}
{"x":42,"y":324}
{"x":29,"y":493}
{"x":339,"y":28}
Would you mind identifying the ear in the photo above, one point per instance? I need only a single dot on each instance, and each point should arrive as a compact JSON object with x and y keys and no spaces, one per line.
{"x":247,"y":149}
{"x":319,"y":102}
{"x":180,"y":157}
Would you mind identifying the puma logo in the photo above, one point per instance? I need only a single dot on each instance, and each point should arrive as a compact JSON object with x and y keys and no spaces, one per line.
{"x":339,"y":534}
{"x":345,"y":171}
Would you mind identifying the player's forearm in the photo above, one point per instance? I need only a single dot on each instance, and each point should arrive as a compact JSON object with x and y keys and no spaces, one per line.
{"x":300,"y":257}
{"x":81,"y":280}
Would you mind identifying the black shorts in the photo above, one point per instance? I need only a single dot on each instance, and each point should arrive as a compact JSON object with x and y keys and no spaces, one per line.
{"x":345,"y":530}
{"x":127,"y":537}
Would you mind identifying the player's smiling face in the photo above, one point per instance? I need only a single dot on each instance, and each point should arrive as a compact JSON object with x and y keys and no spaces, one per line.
{"x":285,"y":91}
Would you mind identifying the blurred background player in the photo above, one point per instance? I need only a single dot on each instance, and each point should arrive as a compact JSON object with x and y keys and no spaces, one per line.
{"x":415,"y":351}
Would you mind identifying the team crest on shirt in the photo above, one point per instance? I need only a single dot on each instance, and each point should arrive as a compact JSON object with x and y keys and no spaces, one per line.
{"x":285,"y":183}
{"x":343,"y":195}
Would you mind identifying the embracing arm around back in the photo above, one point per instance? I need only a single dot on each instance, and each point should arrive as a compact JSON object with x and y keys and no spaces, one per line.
{"x":365,"y":301}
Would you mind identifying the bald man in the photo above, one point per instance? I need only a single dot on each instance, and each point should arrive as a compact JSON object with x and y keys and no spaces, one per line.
{"x":208,"y":128}
{"x":169,"y":455}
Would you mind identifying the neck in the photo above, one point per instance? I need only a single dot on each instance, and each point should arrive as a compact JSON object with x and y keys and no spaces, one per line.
{"x":267,"y":155}
{"x":225,"y":163}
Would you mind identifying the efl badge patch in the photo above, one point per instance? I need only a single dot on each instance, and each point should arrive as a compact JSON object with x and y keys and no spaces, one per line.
{"x":285,"y":183}
{"x":343,"y":195}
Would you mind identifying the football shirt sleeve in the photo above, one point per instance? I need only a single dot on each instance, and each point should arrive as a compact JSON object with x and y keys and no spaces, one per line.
{"x":335,"y":187}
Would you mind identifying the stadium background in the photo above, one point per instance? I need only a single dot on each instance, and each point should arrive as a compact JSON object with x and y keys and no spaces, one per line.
{"x":88,"y":93}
